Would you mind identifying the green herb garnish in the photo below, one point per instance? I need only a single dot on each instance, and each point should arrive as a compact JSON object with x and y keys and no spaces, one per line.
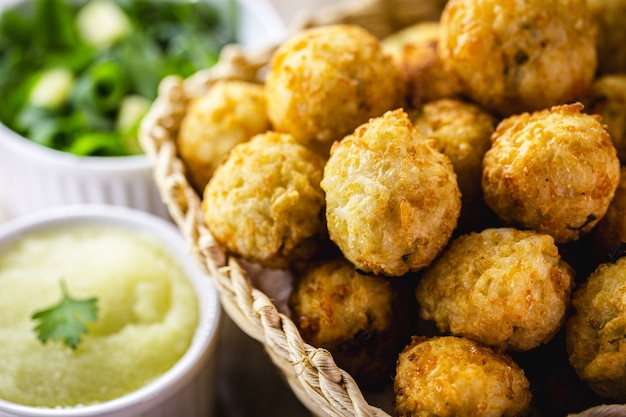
{"x":67,"y":321}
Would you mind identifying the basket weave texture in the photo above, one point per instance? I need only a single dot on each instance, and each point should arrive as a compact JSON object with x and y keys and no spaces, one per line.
{"x":316,"y":380}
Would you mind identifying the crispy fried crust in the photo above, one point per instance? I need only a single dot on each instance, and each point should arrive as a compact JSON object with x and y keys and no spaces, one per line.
{"x":231,"y":112}
{"x":325,"y":81}
{"x":504,"y":287}
{"x":360,"y":318}
{"x":606,"y":97}
{"x":462,"y":131}
{"x":414,"y":51}
{"x":392,"y":199}
{"x":265,"y":204}
{"x":517,"y":56}
{"x":554,"y":171}
{"x":596,"y":343}
{"x":611,"y":230}
{"x":451,"y":376}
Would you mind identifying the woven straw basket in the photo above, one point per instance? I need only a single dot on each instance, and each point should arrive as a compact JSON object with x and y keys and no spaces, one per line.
{"x":323,"y":387}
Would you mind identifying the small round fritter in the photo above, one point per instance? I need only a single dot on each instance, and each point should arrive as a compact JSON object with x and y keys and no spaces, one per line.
{"x":504,"y":287}
{"x":513,"y":57}
{"x":231,"y":112}
{"x":452,"y":376}
{"x":595,"y":337}
{"x":554,"y":171}
{"x":611,"y":42}
{"x":325,"y":81}
{"x":265,"y":204}
{"x":360,"y":318}
{"x":414,"y":51}
{"x":611,"y":230}
{"x":463,"y":133}
{"x":607,"y":97}
{"x":392,"y":199}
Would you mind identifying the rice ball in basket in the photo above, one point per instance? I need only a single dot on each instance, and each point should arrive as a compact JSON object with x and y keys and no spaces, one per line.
{"x":414,"y":51}
{"x":462,"y":131}
{"x":264,"y":202}
{"x":503,"y":287}
{"x":595,"y":337}
{"x":606,"y":97}
{"x":554,"y":171}
{"x":229,"y":113}
{"x":452,"y":376}
{"x":392,"y":199}
{"x":362,"y":319}
{"x":325,"y":81}
{"x":611,"y":230}
{"x":517,"y":56}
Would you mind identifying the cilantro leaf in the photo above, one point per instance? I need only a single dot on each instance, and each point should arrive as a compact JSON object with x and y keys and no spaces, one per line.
{"x":66,"y":322}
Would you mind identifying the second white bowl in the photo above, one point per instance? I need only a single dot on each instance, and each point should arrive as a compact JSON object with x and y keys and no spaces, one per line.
{"x":188,"y":388}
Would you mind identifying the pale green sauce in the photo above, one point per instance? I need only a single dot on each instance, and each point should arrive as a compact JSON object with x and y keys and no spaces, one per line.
{"x":147,"y":318}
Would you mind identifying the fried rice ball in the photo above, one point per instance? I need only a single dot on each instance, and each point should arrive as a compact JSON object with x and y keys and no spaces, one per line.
{"x":392,"y":199}
{"x":452,"y":376}
{"x":607,"y":97}
{"x":554,"y":171}
{"x":518,"y":56}
{"x":231,"y":112}
{"x":414,"y":52}
{"x":462,"y":131}
{"x":611,"y":230}
{"x":265,"y":204}
{"x":595,"y":338}
{"x":611,"y":41}
{"x":504,"y":287}
{"x":360,"y":318}
{"x":325,"y":81}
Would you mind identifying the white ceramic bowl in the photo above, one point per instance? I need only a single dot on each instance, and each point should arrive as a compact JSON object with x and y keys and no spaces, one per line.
{"x":185,"y":390}
{"x":34,"y":177}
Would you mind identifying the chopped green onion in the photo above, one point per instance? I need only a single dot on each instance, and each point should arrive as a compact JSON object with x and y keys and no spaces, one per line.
{"x":97,"y":143}
{"x":102,"y":23}
{"x":52,"y":89}
{"x":103,"y":87}
{"x":132,"y":111}
{"x":68,"y":66}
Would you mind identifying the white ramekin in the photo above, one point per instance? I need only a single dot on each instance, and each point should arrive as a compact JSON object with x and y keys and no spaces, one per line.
{"x":188,"y":388}
{"x":33,"y":177}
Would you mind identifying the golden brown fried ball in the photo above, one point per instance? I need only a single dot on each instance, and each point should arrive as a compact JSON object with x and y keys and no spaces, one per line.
{"x":231,"y":112}
{"x":414,"y":51}
{"x":463,"y":133}
{"x":360,"y":318}
{"x":611,"y":42}
{"x":451,"y":376}
{"x":504,"y":287}
{"x":611,"y":230}
{"x":517,"y":56}
{"x":595,"y":337}
{"x":392,"y":199}
{"x":264,"y":203}
{"x":607,"y":97}
{"x":554,"y":171}
{"x":325,"y":81}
